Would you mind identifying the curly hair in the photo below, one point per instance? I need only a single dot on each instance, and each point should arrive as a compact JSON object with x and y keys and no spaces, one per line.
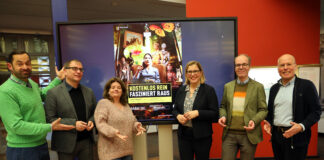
{"x":123,"y":98}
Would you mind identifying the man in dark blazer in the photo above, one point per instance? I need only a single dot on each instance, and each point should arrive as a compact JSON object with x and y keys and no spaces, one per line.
{"x":242,"y":109}
{"x":293,"y":108}
{"x":75,"y":104}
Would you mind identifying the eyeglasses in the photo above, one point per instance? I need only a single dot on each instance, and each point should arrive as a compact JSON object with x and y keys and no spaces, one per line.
{"x":193,"y":72}
{"x":243,"y":65}
{"x":75,"y":69}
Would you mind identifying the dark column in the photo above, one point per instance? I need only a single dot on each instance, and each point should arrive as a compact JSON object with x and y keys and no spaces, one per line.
{"x":59,"y":14}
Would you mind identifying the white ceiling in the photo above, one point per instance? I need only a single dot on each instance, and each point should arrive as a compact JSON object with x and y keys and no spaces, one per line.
{"x":34,"y":16}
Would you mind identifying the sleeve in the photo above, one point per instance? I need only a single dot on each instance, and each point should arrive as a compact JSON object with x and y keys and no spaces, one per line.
{"x":14,"y":120}
{"x":212,"y":104}
{"x":223,"y":105}
{"x":136,"y":123}
{"x":269,"y":117}
{"x":101,"y":117}
{"x":176,"y":106}
{"x":312,"y":104}
{"x":93,"y":106}
{"x":262,"y":106}
{"x":51,"y":110}
{"x":54,"y":83}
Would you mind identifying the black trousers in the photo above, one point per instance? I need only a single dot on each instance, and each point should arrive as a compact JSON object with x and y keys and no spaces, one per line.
{"x":283,"y":148}
{"x":83,"y":151}
{"x":190,"y":146}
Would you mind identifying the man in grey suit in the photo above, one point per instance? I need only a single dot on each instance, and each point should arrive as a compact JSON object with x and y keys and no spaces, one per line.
{"x":75,"y":104}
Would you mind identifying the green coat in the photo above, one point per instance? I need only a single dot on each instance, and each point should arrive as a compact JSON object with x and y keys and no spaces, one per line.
{"x":255,"y":108}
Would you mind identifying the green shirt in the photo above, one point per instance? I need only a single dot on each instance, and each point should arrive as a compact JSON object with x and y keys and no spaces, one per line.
{"x":22,"y":112}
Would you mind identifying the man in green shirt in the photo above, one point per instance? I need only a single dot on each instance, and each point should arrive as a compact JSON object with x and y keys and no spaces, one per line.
{"x":22,"y":111}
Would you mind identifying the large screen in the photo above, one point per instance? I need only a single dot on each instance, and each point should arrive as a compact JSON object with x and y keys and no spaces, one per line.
{"x":150,"y":57}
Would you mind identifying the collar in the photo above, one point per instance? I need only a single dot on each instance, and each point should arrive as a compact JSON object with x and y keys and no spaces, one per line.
{"x":19,"y":81}
{"x":242,"y":83}
{"x":69,"y":87}
{"x":188,"y":87}
{"x":291,"y":82}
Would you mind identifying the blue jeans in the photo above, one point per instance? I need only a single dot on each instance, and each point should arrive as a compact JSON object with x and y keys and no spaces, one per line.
{"x":34,"y":153}
{"x":129,"y":157}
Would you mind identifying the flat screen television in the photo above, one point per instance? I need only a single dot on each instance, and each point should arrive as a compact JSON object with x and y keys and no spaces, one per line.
{"x":150,"y":55}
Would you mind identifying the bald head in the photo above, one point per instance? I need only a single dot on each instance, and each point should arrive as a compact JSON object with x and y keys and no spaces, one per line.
{"x":286,"y":67}
{"x":287,"y":56}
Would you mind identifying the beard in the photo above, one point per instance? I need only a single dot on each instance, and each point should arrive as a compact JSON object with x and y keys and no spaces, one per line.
{"x":22,"y":74}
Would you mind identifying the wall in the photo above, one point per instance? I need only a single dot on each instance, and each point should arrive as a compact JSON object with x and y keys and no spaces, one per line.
{"x":267,"y":29}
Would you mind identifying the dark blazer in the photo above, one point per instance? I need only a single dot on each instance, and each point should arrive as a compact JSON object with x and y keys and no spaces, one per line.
{"x":207,"y":105}
{"x":306,"y":108}
{"x":59,"y":104}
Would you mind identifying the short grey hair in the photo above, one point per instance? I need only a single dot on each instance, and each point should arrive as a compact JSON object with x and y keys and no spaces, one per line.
{"x":245,"y":55}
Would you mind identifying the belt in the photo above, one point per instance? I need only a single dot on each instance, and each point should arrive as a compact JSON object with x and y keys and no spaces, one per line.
{"x":280,"y":128}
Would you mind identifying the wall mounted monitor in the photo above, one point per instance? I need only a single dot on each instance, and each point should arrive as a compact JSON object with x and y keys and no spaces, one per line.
{"x":150,"y":57}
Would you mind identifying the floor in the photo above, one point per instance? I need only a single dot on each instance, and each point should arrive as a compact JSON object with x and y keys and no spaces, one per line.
{"x":153,"y":149}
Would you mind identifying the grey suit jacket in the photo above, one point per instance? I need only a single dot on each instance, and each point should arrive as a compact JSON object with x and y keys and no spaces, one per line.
{"x":255,"y":108}
{"x":58,"y":104}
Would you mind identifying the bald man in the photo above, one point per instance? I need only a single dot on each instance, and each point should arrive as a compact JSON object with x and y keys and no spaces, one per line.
{"x":293,"y":108}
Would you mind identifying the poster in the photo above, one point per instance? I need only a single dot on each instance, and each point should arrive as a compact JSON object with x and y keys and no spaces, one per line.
{"x":148,"y":59}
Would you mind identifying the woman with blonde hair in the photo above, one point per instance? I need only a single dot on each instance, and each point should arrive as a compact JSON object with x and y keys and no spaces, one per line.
{"x":195,"y":108}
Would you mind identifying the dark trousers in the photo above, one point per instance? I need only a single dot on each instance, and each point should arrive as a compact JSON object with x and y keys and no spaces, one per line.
{"x":83,"y":151}
{"x":283,"y":148}
{"x":34,"y":153}
{"x":190,"y":146}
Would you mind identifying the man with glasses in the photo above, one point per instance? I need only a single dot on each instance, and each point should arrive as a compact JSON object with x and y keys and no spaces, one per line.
{"x":75,"y":103}
{"x":242,"y":109}
{"x":22,"y":111}
{"x":293,"y":109}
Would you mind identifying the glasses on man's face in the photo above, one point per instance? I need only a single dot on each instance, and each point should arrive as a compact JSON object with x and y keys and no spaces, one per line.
{"x":241,"y":65}
{"x":193,"y":72}
{"x":75,"y":69}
